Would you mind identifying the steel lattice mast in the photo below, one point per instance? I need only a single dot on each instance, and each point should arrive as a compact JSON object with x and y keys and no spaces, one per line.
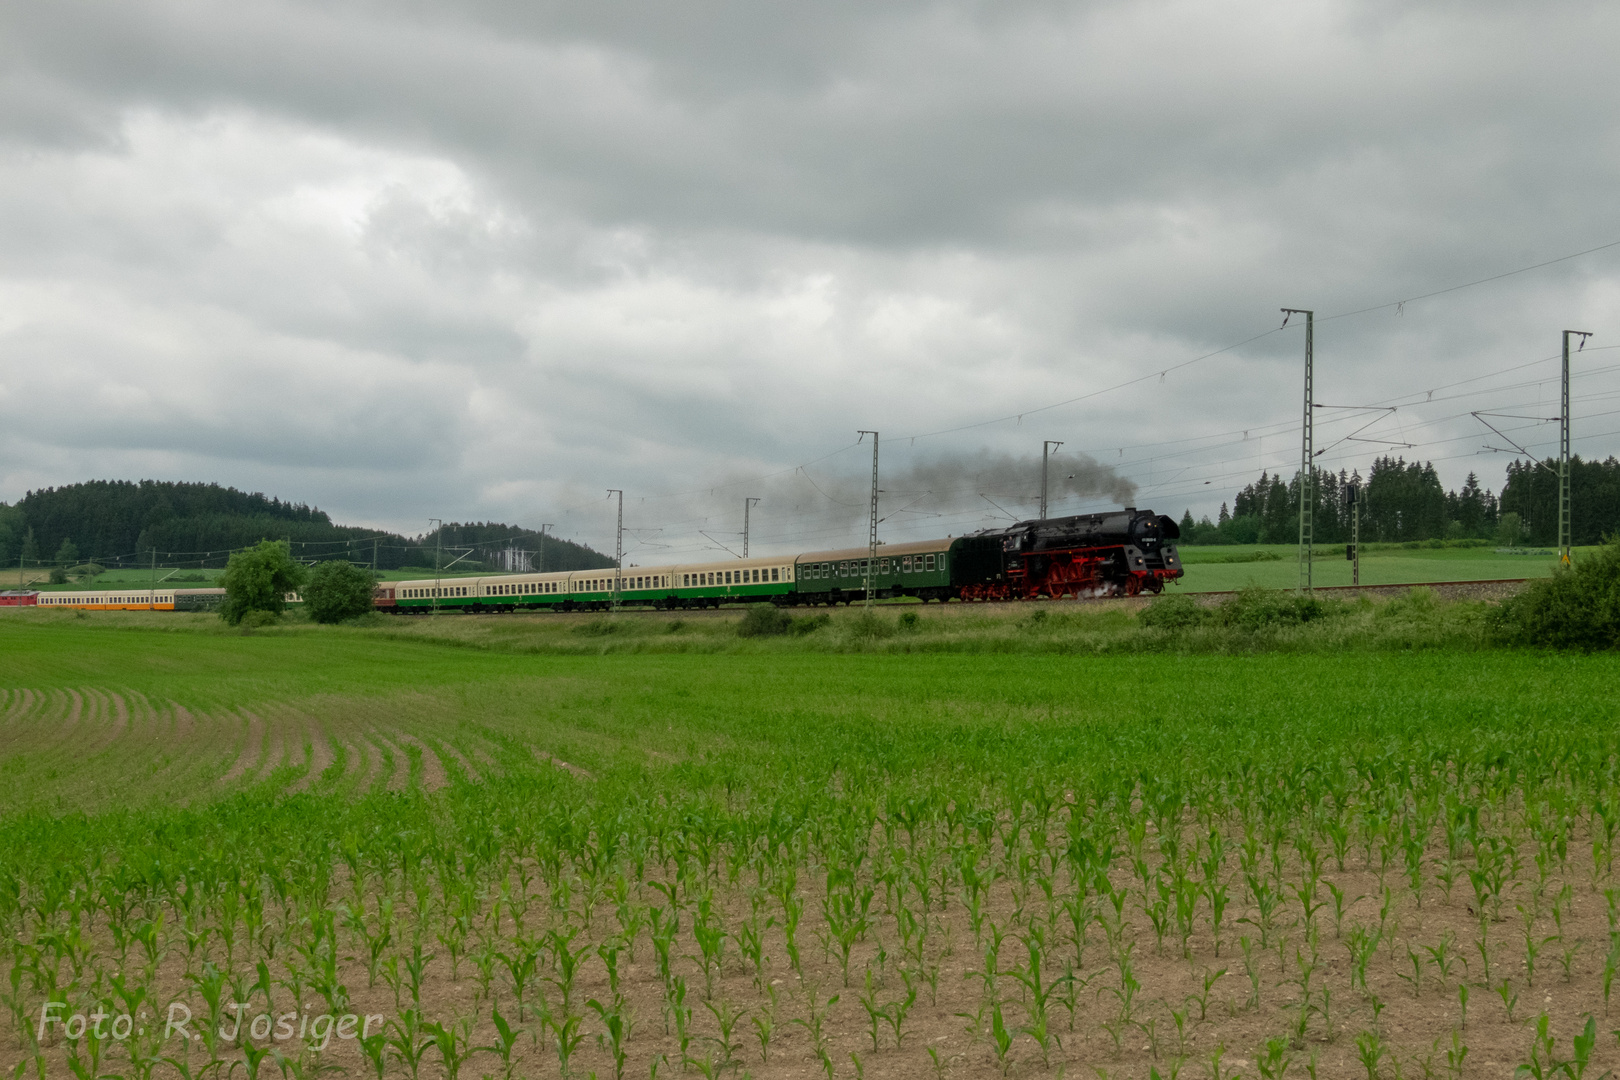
{"x":1307,"y":456}
{"x":871,"y":539}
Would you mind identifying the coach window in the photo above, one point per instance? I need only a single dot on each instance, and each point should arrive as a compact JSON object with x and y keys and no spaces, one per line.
{"x":930,"y":559}
{"x":905,"y":567}
{"x":774,"y":571}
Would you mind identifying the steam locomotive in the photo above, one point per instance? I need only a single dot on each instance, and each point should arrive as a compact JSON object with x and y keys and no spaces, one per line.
{"x":1116,"y":554}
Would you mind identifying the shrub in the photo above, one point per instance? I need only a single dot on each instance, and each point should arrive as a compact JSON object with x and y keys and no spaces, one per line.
{"x":1577,"y":608}
{"x":809,"y":624}
{"x":259,"y":579}
{"x":764,"y":620}
{"x":909,"y":620}
{"x":868,"y":627}
{"x":339,"y":590}
{"x":1253,"y":608}
{"x":1175,"y":612}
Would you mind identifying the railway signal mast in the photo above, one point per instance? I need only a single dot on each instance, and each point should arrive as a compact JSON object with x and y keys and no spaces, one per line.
{"x":1563,"y":450}
{"x":1307,"y":466}
{"x":1046,"y":448}
{"x":871,"y":539}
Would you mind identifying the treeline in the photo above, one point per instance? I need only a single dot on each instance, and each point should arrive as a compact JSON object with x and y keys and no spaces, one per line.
{"x":122,"y":523}
{"x":1405,"y":501}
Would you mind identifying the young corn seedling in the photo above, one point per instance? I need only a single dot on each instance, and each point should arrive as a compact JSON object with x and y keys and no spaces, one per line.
{"x":1370,"y":1050}
{"x":1273,"y":1064}
{"x":1340,"y":907}
{"x":726,"y":1018}
{"x":815,"y":1024}
{"x":1414,"y":980}
{"x":506,"y":1037}
{"x":1251,"y":969}
{"x":680,"y":1013}
{"x":566,"y":1035}
{"x":453,"y":1042}
{"x":1544,"y":1062}
{"x":1509,"y":996}
{"x":1001,"y":1038}
{"x":616,"y":1029}
{"x":765,"y":1027}
{"x":409,"y":1040}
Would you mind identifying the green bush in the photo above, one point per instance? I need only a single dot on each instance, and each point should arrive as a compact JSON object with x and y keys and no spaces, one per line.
{"x":339,"y":590}
{"x":909,"y":620}
{"x":764,"y":620}
{"x":809,"y":624}
{"x":1577,"y":608}
{"x":1253,"y":608}
{"x":259,"y":579}
{"x":1175,"y":612}
{"x":868,"y":627}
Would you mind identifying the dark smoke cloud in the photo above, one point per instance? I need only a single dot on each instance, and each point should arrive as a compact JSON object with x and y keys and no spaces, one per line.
{"x":826,"y":506}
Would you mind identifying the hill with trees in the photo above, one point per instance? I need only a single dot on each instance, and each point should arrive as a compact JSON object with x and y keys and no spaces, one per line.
{"x":122,"y":522}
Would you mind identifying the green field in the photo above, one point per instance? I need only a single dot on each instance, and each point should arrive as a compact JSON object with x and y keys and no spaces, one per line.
{"x":647,"y":844}
{"x":1207,"y":570}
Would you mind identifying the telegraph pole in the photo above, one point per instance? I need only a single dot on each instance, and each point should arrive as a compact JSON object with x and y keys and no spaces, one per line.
{"x":618,"y":549}
{"x":1307,"y":466}
{"x":1563,"y":450}
{"x":1046,"y":448}
{"x":871,"y":538}
{"x":747,"y":502}
{"x":543,"y":528}
{"x":438,"y":541}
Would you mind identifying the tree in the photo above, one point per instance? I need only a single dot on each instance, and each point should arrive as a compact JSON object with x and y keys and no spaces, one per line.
{"x":68,"y":554}
{"x":30,"y":548}
{"x":339,"y":590}
{"x":259,"y":579}
{"x":1510,"y":530}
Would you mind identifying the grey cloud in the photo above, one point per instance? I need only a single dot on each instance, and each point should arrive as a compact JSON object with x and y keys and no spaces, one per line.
{"x":514,"y":252}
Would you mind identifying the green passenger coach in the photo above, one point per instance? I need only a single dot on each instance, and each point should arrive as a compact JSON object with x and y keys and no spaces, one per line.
{"x":916,"y":569}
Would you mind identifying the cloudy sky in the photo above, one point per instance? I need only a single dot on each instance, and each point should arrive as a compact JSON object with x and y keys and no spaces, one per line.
{"x":484,"y":260}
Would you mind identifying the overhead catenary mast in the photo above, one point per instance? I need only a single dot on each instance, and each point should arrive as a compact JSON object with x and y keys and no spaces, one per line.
{"x":618,"y":549}
{"x":1046,"y":448}
{"x":871,"y":538}
{"x":548,"y":525}
{"x":1564,"y":537}
{"x":748,"y":502}
{"x":1307,"y":458}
